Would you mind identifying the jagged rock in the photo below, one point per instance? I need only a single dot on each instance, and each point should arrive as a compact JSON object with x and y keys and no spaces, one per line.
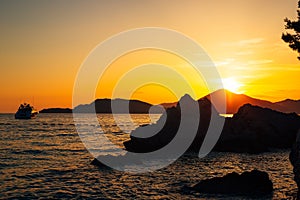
{"x":251,"y":130}
{"x":167,"y":127}
{"x":248,"y":183}
{"x":254,"y":129}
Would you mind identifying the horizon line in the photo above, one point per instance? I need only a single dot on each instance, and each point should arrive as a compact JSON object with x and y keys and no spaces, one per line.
{"x":226,"y":90}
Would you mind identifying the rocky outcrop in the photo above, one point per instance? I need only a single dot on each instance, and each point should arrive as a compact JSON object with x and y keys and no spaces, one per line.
{"x":248,"y":183}
{"x":254,"y":129}
{"x":251,"y":130}
{"x":295,"y":160}
{"x":167,"y":127}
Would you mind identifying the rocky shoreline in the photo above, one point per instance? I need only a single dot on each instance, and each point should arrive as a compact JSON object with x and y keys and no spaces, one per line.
{"x":251,"y":130}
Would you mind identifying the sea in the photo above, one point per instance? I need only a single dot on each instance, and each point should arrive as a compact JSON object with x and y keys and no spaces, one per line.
{"x":44,"y":158}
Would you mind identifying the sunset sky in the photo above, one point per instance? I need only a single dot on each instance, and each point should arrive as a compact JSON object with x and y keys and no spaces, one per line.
{"x":43,"y":44}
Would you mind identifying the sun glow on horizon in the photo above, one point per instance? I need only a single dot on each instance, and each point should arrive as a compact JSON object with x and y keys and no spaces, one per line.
{"x":232,"y":85}
{"x":249,"y":55}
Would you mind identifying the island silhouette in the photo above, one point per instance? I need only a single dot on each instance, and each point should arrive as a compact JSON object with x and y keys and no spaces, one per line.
{"x":233,"y":103}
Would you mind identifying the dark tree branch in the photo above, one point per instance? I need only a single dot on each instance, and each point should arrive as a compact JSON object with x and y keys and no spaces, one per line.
{"x":293,"y":39}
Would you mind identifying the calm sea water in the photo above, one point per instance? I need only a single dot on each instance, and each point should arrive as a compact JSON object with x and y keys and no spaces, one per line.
{"x":44,"y":158}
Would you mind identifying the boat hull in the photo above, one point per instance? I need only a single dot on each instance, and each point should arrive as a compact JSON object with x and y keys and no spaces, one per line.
{"x":26,"y":111}
{"x":25,"y":115}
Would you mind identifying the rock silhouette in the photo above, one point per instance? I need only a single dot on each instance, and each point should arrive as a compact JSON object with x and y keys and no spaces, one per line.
{"x":295,"y":160}
{"x":167,"y":131}
{"x":248,"y":183}
{"x":251,"y":130}
{"x":254,"y":129}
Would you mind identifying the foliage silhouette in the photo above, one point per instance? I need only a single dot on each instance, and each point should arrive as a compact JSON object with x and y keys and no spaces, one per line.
{"x":293,"y":37}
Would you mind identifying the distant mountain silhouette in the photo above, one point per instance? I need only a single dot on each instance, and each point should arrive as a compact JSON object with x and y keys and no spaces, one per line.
{"x":169,"y":105}
{"x":235,"y":101}
{"x":119,"y":106}
{"x":289,"y":105}
{"x":56,"y":110}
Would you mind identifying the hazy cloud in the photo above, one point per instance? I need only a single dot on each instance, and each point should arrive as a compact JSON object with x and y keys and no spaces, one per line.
{"x":224,"y":62}
{"x":258,"y":62}
{"x":251,"y":41}
{"x":244,"y":53}
{"x":246,"y":42}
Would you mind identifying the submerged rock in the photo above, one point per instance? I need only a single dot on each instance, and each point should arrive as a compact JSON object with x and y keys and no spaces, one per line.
{"x":115,"y":161}
{"x":248,"y":183}
{"x":295,"y":160}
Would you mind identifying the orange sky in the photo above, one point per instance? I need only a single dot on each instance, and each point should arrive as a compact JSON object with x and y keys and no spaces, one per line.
{"x":43,"y":44}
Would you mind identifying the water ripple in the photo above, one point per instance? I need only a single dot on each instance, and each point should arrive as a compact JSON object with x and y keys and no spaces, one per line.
{"x":44,"y":158}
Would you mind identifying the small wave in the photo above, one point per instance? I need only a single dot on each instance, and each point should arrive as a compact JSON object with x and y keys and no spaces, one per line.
{"x":118,"y":132}
{"x":63,"y":129}
{"x":38,"y":129}
{"x":43,"y":144}
{"x":39,"y":158}
{"x":67,"y":150}
{"x":5,"y":124}
{"x":59,"y":171}
{"x":64,"y":194}
{"x":33,"y":152}
{"x":65,"y":134}
{"x":4,"y":165}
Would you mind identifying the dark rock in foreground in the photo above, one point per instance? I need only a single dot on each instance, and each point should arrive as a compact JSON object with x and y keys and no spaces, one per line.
{"x":99,"y":164}
{"x":251,"y":130}
{"x":167,"y":127}
{"x":295,"y":160}
{"x":248,"y":183}
{"x":254,"y":129}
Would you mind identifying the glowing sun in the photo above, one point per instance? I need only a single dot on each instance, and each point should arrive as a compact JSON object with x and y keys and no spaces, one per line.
{"x":232,"y":85}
